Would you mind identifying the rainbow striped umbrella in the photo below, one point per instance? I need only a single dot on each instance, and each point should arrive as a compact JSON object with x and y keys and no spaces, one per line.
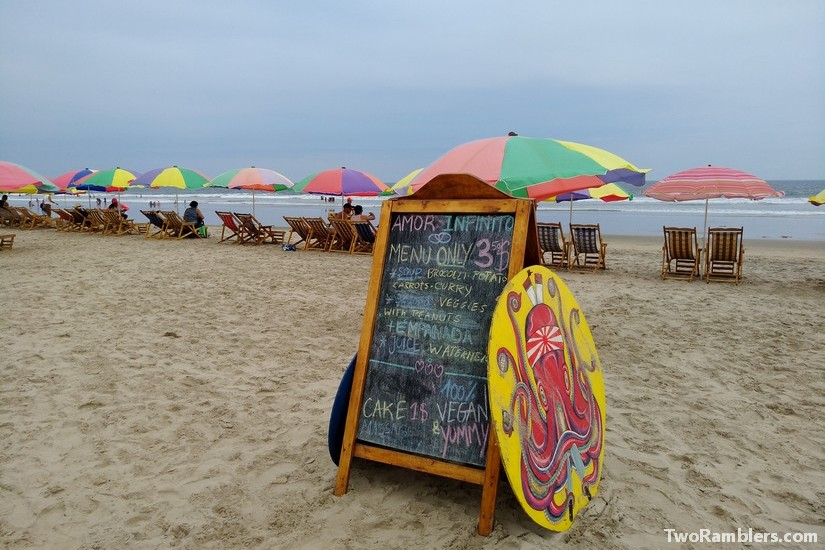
{"x":174,"y":177}
{"x":341,"y":182}
{"x":15,"y":178}
{"x":710,"y":182}
{"x":610,"y":192}
{"x":533,"y":167}
{"x":252,"y":179}
{"x":116,"y":179}
{"x":69,"y":179}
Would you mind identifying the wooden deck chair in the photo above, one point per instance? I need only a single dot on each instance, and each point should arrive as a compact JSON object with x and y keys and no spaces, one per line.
{"x":257,"y":233}
{"x":177,"y":227}
{"x":10,"y":216}
{"x":156,"y":220}
{"x":30,"y":220}
{"x":319,"y":234}
{"x":64,"y":220}
{"x":365,"y":234}
{"x":343,"y":236}
{"x":297,"y":227}
{"x":118,"y":225}
{"x":680,"y":253}
{"x":113,"y":221}
{"x":231,"y":225}
{"x":588,"y":249}
{"x":6,"y":242}
{"x":81,"y":216}
{"x":552,"y":243}
{"x":96,"y":222}
{"x":723,"y":254}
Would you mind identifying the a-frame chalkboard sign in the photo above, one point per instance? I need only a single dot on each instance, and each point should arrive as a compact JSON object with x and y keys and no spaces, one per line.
{"x":419,"y":392}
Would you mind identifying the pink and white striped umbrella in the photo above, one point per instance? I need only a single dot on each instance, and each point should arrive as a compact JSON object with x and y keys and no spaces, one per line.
{"x":710,"y":182}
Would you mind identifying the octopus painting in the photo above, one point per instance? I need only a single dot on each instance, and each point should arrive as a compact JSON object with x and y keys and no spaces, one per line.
{"x":547,"y":397}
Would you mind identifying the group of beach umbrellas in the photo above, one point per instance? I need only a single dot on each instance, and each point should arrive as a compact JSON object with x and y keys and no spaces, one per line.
{"x":538,"y":168}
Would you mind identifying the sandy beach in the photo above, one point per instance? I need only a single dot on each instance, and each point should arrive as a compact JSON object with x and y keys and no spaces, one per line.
{"x":176,"y":394}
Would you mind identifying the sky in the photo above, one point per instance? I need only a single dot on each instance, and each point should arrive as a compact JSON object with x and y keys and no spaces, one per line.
{"x":387,"y":87}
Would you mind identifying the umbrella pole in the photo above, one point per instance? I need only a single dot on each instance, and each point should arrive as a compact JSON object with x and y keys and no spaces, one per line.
{"x":571,"y":211}
{"x":705,"y":225}
{"x":253,"y":204}
{"x":177,"y":208}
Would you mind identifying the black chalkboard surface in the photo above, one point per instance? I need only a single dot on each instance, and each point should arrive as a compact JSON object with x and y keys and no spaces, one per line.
{"x":418,"y":400}
{"x":426,"y":384}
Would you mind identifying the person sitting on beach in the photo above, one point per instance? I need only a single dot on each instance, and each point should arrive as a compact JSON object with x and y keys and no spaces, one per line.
{"x":7,"y":215}
{"x":344,"y":214}
{"x":116,"y":205}
{"x":359,"y":216}
{"x":193,"y":214}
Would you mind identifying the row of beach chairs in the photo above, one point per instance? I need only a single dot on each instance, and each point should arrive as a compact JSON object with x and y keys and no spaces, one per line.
{"x":161,"y":224}
{"x":23,"y":218}
{"x":246,"y":229}
{"x":723,"y":253}
{"x":332,"y":235}
{"x":584,"y":250}
{"x":681,"y":254}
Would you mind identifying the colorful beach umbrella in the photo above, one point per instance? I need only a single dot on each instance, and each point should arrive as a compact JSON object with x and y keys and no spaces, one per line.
{"x":172,"y":177}
{"x":710,"y":182}
{"x":252,"y":179}
{"x":15,"y":178}
{"x":70,"y":178}
{"x":402,"y":186}
{"x":341,"y":182}
{"x":533,"y":167}
{"x":116,"y":179}
{"x":818,"y":199}
{"x":610,"y":192}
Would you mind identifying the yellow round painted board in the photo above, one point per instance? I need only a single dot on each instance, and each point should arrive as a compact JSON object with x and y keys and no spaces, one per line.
{"x":547,"y":398}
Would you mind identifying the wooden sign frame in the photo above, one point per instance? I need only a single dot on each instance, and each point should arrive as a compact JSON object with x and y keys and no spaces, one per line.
{"x":445,"y":194}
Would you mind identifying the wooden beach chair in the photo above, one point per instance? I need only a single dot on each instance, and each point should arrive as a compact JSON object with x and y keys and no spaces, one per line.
{"x":231,"y":225}
{"x":365,"y":234}
{"x":552,"y":243}
{"x":680,"y":253}
{"x":10,"y":216}
{"x":343,"y":236}
{"x":256,"y":233}
{"x":177,"y":227}
{"x":588,"y":249}
{"x":81,"y":217}
{"x":64,"y":220}
{"x":6,"y":242}
{"x":95,"y":221}
{"x":319,"y":234}
{"x":118,"y":225}
{"x":724,"y":252}
{"x":30,"y":220}
{"x":297,"y":227}
{"x":157,"y":221}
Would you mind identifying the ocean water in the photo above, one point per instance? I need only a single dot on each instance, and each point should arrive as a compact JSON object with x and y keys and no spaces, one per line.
{"x":788,"y":217}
